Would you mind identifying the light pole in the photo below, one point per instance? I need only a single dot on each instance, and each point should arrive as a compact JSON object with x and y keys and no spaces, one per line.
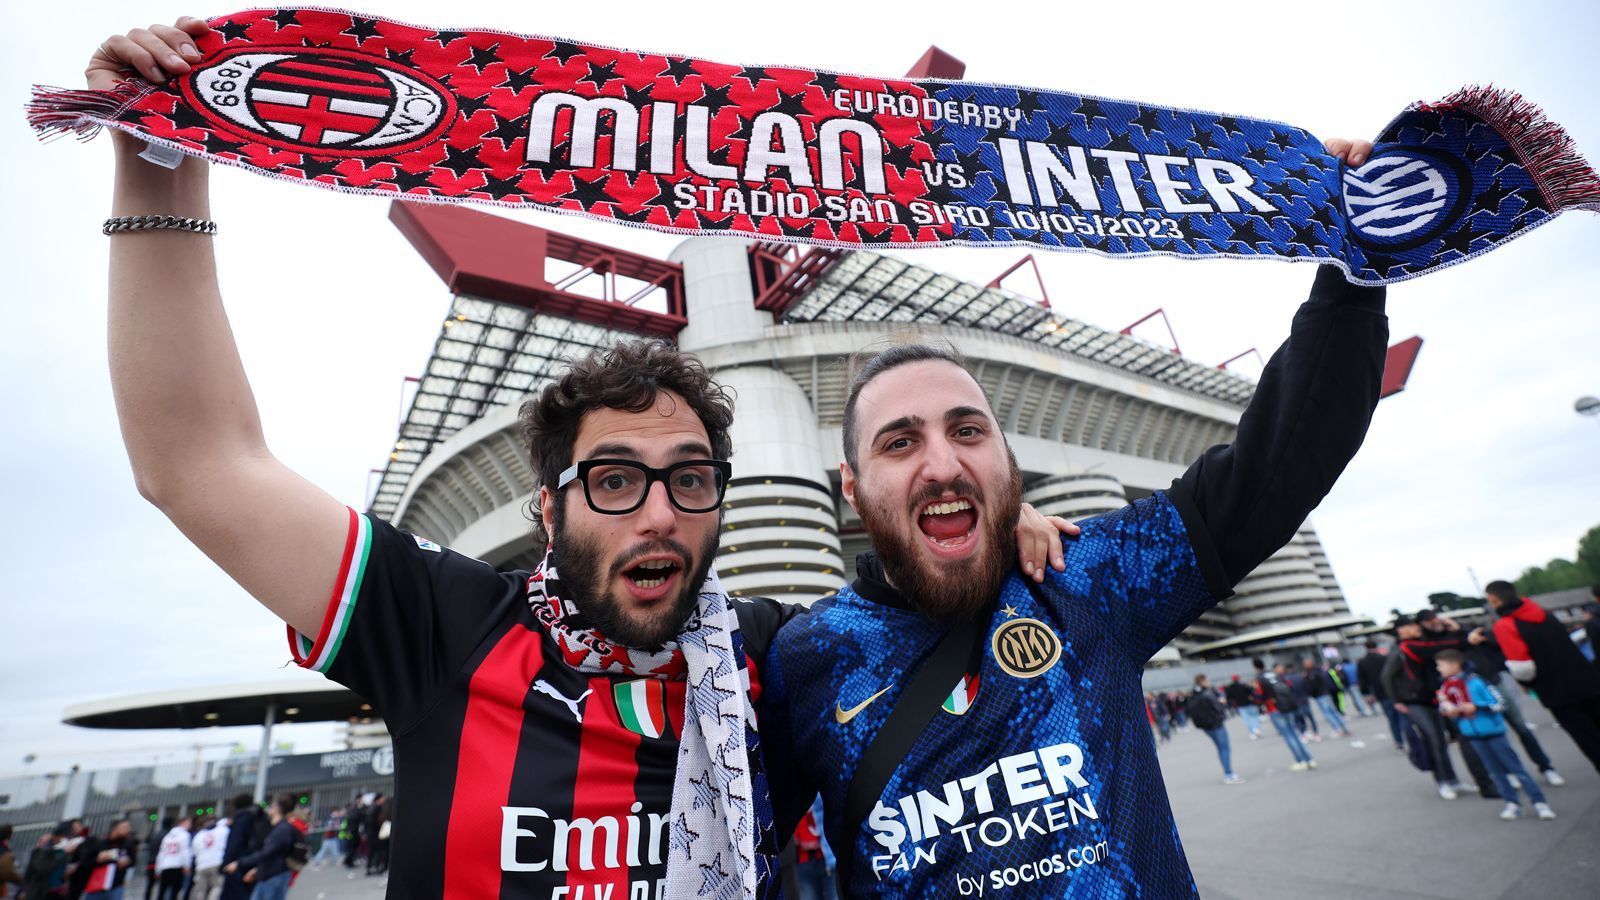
{"x":1588,"y":406}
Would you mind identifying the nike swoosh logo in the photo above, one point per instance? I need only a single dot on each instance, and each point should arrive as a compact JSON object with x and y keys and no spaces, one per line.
{"x":843,"y":716}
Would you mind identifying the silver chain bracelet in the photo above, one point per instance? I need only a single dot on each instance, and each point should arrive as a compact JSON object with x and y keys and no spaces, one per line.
{"x":117,"y":224}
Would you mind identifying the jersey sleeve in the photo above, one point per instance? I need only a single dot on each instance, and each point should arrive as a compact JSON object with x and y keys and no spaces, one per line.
{"x":1308,"y":415}
{"x":1151,"y":573}
{"x":404,"y":615}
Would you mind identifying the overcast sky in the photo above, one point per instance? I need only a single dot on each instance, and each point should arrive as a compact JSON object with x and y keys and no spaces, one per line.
{"x":1482,"y":462}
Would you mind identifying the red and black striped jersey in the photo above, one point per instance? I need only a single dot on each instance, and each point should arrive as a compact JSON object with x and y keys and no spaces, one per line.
{"x":518,"y":776}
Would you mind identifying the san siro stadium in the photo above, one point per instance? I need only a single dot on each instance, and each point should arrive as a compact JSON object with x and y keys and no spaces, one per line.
{"x":1097,"y":418}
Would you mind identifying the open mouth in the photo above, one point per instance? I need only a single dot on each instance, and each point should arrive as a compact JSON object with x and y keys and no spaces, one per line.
{"x":649,"y":578}
{"x":948,"y":524}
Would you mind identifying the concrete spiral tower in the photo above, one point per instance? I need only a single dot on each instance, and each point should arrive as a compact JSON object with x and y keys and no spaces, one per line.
{"x":780,"y":534}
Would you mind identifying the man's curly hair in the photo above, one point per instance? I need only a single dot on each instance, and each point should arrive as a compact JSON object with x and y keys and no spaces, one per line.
{"x":626,"y":377}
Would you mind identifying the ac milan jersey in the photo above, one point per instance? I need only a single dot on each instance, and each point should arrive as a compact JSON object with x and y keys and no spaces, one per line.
{"x":518,"y":776}
{"x":1038,"y":778}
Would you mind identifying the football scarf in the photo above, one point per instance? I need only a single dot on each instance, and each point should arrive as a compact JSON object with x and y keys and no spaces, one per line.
{"x":721,"y":842}
{"x":369,"y":105}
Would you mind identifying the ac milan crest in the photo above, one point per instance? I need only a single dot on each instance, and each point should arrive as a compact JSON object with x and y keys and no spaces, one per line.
{"x":322,"y":101}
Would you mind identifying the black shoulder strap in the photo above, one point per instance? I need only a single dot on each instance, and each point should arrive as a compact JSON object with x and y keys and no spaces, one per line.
{"x":926,"y":692}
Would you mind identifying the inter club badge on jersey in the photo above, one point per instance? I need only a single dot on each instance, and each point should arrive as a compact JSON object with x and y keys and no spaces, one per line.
{"x":786,"y":153}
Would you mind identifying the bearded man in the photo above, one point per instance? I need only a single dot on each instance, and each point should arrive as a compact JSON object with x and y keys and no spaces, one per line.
{"x":1038,"y":775}
{"x":583,"y":730}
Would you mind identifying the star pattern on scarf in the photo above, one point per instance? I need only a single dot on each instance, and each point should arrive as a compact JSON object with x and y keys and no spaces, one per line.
{"x":714,"y":879}
{"x":562,"y":51}
{"x":481,"y":58}
{"x":706,"y":793}
{"x":682,"y":837}
{"x":708,"y":698}
{"x":232,"y":30}
{"x":600,"y":75}
{"x":362,"y":30}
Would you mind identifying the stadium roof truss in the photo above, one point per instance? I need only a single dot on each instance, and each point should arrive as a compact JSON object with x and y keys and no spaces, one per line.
{"x":868,"y":287}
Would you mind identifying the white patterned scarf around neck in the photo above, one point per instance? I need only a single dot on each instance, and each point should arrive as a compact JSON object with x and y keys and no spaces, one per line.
{"x":721,"y":843}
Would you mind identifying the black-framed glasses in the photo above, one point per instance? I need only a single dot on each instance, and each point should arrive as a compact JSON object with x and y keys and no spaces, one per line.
{"x":617,"y":487}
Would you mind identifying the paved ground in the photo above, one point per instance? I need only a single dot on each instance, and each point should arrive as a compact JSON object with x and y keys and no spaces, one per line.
{"x":1364,"y":825}
{"x":1367,"y":825}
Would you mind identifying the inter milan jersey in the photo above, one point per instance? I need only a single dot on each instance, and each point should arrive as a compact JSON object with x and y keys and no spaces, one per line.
{"x":1038,"y":777}
{"x":519,"y":776}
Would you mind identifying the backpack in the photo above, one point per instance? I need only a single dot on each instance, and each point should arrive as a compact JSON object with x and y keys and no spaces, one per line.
{"x":1205,"y":711}
{"x":299,"y":851}
{"x":1280,"y":694}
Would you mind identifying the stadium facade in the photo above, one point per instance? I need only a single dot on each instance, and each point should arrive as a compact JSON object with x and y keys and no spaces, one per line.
{"x":1096,"y":417}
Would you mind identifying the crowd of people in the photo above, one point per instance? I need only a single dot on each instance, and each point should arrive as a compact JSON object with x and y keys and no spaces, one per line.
{"x":251,"y":853}
{"x":1435,"y":686}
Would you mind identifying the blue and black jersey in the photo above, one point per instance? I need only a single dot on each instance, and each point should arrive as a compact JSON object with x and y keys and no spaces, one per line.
{"x":1039,"y":776}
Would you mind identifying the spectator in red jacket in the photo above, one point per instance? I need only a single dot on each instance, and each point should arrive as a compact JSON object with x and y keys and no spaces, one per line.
{"x":1541,"y":655}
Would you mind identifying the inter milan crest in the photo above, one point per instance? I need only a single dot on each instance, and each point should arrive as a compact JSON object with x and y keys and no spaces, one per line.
{"x":1404,"y":197}
{"x":324,"y":101}
{"x":1026,"y":648}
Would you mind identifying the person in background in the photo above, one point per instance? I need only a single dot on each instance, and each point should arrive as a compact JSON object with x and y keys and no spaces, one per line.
{"x":1487,"y":662}
{"x":810,"y":868}
{"x":8,"y":863}
{"x":331,"y":847}
{"x":1369,"y":680}
{"x":1410,"y":678}
{"x":1207,"y":714}
{"x":209,"y":844}
{"x":1242,"y":699}
{"x":268,"y":868}
{"x":242,"y":839}
{"x":173,"y":858}
{"x":1304,"y":720}
{"x":355,"y":821}
{"x":107,"y":862}
{"x":1347,"y":681}
{"x":1157,"y":707}
{"x":1475,"y":707}
{"x":46,"y":874}
{"x":152,"y":850}
{"x":1540,"y":655}
{"x":380,"y":822}
{"x":1320,"y":687}
{"x":1278,"y":702}
{"x":1591,"y":625}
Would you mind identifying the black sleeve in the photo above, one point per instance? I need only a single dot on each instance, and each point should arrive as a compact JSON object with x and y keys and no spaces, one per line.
{"x":1308,"y":416}
{"x":277,"y":842}
{"x":404,"y":618}
{"x":1390,"y":676}
{"x":791,"y":794}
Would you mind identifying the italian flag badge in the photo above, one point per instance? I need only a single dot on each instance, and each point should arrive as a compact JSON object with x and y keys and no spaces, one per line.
{"x":642,"y":704}
{"x":960,"y":699}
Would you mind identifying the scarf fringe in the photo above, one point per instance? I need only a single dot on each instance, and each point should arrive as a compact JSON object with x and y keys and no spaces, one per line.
{"x":1550,"y":154}
{"x":54,"y":111}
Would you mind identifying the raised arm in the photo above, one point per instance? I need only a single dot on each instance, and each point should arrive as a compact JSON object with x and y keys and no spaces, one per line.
{"x":1309,"y":414}
{"x":188,"y":417}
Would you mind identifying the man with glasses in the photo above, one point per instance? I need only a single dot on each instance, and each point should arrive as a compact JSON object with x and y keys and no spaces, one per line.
{"x":581,"y":731}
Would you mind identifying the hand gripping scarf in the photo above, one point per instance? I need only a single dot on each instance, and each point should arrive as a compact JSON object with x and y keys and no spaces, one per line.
{"x":369,"y":105}
{"x":721,"y":842}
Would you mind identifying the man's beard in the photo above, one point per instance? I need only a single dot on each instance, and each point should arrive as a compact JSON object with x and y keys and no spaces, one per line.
{"x":953,"y":589}
{"x":583,"y":582}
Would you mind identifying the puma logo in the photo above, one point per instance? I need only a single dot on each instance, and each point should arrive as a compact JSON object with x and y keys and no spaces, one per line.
{"x":843,"y":716}
{"x":543,"y":687}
